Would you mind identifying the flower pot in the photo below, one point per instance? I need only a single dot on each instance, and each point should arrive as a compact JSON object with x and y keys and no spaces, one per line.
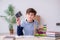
{"x":11,"y":31}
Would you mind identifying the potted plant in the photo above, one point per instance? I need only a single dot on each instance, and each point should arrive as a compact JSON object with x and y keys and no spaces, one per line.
{"x":10,"y":18}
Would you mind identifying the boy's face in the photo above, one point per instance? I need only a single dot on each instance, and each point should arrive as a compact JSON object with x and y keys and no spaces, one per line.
{"x":30,"y":16}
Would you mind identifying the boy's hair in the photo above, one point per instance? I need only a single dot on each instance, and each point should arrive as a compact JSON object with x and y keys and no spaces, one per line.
{"x":31,"y":10}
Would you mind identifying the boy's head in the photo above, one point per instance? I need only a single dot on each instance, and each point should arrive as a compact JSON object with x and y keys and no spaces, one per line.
{"x":30,"y":14}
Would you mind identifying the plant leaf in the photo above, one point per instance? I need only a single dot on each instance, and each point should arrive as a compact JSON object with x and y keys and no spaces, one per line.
{"x":7,"y":12}
{"x":13,"y":20}
{"x":11,"y":10}
{"x":7,"y":19}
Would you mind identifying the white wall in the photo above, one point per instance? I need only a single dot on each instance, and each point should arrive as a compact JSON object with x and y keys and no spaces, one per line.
{"x":49,"y":10}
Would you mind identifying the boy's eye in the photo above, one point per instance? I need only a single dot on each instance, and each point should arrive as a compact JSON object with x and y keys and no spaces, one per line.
{"x":32,"y":15}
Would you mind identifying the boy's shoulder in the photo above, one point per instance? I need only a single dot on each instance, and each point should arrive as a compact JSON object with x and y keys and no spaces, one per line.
{"x":23,"y":21}
{"x":36,"y":22}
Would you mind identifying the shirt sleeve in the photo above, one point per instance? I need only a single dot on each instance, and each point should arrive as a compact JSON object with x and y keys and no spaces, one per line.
{"x":22,"y":24}
{"x":36,"y":24}
{"x":19,"y":30}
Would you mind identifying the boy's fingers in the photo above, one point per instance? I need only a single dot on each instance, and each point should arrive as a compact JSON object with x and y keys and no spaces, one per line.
{"x":18,"y":21}
{"x":41,"y":26}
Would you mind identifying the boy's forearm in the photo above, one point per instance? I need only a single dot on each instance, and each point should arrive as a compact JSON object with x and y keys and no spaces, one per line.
{"x":19,"y":30}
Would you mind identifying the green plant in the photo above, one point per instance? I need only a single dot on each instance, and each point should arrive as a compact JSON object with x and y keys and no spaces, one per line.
{"x":10,"y":16}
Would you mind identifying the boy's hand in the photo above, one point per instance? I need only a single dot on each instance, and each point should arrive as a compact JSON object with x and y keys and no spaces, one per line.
{"x":41,"y":26}
{"x":18,"y":21}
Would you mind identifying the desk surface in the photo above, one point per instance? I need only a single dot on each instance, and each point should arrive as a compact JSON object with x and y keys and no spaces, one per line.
{"x":27,"y":37}
{"x":2,"y":36}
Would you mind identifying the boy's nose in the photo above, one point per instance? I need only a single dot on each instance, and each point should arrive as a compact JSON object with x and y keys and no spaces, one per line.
{"x":29,"y":16}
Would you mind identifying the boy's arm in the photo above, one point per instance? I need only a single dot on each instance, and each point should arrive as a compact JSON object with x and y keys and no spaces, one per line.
{"x":19,"y":28}
{"x":35,"y":30}
{"x":41,"y":26}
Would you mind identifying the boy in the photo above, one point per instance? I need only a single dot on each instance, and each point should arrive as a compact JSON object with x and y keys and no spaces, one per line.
{"x":29,"y":23}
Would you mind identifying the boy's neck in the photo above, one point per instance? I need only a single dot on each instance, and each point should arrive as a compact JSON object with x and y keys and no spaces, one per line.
{"x":30,"y":21}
